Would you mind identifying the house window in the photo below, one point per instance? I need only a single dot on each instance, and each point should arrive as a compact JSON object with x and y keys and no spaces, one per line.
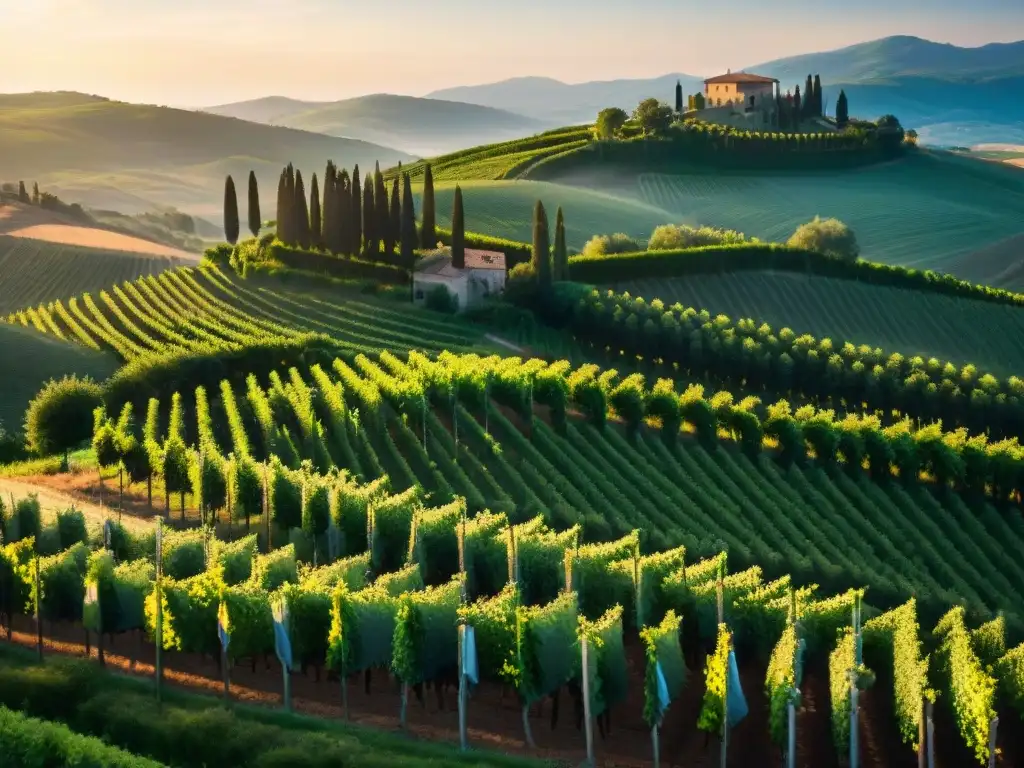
{"x":719,"y":102}
{"x":419,"y":294}
{"x":751,"y":101}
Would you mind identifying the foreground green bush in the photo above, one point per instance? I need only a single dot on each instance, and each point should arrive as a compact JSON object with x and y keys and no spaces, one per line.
{"x":828,"y":236}
{"x":192,"y":730}
{"x":59,"y":418}
{"x":31,"y":743}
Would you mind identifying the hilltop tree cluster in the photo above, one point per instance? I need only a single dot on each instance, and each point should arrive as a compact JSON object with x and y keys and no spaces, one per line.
{"x":347,"y":215}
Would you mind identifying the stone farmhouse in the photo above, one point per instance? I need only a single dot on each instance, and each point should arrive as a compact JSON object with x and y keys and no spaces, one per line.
{"x":742,"y":100}
{"x":483,"y":276}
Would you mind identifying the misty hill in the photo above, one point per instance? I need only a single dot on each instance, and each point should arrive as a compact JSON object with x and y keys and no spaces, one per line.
{"x":419,"y":126}
{"x":135,"y":158}
{"x":951,"y":95}
{"x":564,"y":103}
{"x":901,"y":58}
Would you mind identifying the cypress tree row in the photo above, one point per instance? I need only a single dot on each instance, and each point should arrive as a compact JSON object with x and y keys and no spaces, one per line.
{"x":458,"y":231}
{"x":541,"y":245}
{"x":408,"y":239}
{"x":300,"y":218}
{"x":255,"y":219}
{"x":395,"y":223}
{"x":356,"y":216}
{"x":315,"y":222}
{"x":428,"y":230}
{"x":560,"y":257}
{"x":231,"y":225}
{"x":371,"y":244}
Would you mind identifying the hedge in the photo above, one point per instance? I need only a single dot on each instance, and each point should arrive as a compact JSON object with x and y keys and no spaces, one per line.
{"x":337,"y":266}
{"x":192,"y":729}
{"x":32,"y":743}
{"x":713,"y":259}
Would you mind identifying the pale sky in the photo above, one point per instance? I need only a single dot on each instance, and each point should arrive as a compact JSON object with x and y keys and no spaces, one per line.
{"x":205,"y":52}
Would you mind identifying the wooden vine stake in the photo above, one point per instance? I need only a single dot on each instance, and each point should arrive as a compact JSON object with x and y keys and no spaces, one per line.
{"x":158,"y":635}
{"x":463,"y":737}
{"x":38,"y":611}
{"x":993,"y":727}
{"x":854,"y":690}
{"x":931,"y":734}
{"x":587,"y":720}
{"x":922,"y":747}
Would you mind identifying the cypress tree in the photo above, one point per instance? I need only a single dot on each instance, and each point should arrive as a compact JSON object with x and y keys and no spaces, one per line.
{"x":560,"y":257}
{"x":458,"y":231}
{"x":230,"y":211}
{"x":23,"y":193}
{"x":819,"y":103}
{"x":371,"y":245}
{"x":344,"y":203}
{"x":255,"y":219}
{"x":809,"y":97}
{"x":541,"y":245}
{"x":356,"y":215}
{"x":291,"y":222}
{"x":796,"y":104}
{"x":842,"y":110}
{"x":679,"y":97}
{"x":329,"y":213}
{"x":395,"y":225}
{"x":428,"y":230}
{"x":382,"y":212}
{"x":316,"y":232}
{"x":408,"y":239}
{"x":300,"y":218}
{"x":282,"y":206}
{"x":35,"y":193}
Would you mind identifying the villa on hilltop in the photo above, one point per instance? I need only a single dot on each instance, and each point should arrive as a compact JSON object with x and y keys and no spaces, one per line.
{"x":748,"y":101}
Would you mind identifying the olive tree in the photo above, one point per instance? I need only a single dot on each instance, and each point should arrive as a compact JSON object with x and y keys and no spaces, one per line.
{"x":60,"y":417}
{"x":609,"y":122}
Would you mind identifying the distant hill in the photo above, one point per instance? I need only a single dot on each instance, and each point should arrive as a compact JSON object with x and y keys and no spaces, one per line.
{"x":418,"y":126}
{"x":564,"y":103}
{"x":951,"y":95}
{"x":135,"y":158}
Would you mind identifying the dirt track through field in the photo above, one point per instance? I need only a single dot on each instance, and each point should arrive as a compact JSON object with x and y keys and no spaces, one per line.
{"x":88,"y":237}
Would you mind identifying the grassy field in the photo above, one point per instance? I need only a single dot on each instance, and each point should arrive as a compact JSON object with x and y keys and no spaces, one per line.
{"x":928,"y":211}
{"x":505,"y":209}
{"x":30,"y":359}
{"x":35,"y":271}
{"x":911,"y":322}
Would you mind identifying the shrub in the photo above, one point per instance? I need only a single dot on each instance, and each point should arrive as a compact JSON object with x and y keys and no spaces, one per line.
{"x":60,"y":417}
{"x":600,"y":245}
{"x":440,"y":300}
{"x":828,"y":236}
{"x":669,"y":237}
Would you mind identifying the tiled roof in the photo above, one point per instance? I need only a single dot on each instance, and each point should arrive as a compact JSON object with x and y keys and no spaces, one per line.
{"x":741,"y":78}
{"x":439,"y":262}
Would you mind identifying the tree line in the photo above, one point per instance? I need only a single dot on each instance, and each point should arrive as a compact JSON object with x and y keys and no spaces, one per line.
{"x":349,"y":217}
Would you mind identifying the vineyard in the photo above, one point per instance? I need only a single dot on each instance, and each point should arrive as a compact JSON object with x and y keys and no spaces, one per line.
{"x":206,"y":311}
{"x":914,"y":322}
{"x":34,"y":271}
{"x":926,"y":212}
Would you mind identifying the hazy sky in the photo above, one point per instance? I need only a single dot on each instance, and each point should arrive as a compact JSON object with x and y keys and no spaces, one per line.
{"x":204,"y":52}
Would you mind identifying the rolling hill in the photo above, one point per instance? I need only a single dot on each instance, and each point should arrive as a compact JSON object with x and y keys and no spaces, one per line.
{"x":951,"y":95}
{"x":135,"y":158}
{"x":930,"y":210}
{"x":415,"y":125}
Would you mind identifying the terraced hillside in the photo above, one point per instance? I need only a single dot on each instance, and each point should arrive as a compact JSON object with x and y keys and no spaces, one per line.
{"x":913,"y":322}
{"x":37,"y":271}
{"x":30,"y":359}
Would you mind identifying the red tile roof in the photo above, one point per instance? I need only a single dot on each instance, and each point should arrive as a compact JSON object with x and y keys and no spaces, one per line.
{"x":741,"y":78}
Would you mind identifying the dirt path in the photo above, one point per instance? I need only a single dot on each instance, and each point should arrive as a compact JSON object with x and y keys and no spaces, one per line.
{"x":53,"y":500}
{"x":504,"y":343}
